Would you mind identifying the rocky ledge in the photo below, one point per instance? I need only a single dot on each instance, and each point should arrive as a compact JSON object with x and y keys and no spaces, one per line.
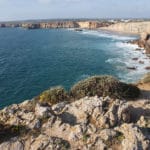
{"x":87,"y":123}
{"x":143,"y":42}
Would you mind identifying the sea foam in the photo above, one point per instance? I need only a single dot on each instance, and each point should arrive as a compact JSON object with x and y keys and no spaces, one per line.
{"x":108,"y":35}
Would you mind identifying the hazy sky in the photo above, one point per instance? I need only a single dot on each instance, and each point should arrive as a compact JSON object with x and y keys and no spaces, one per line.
{"x":47,"y":9}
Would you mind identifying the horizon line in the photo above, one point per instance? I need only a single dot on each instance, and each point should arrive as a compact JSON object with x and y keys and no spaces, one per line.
{"x":75,"y":18}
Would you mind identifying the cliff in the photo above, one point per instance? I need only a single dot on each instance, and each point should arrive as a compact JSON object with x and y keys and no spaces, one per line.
{"x":143,"y":42}
{"x":58,"y":24}
{"x":91,"y":122}
{"x":130,"y":27}
{"x":141,"y":28}
{"x":61,"y":24}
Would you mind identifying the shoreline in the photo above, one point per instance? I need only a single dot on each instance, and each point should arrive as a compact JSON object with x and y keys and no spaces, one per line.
{"x":119,"y":32}
{"x":136,"y":59}
{"x":132,"y":42}
{"x":98,"y":112}
{"x":129,"y":65}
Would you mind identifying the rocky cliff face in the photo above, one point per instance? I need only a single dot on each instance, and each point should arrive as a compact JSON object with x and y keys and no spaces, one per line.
{"x":60,"y":24}
{"x":141,"y":28}
{"x":130,"y":27}
{"x":143,"y":42}
{"x":30,"y":25}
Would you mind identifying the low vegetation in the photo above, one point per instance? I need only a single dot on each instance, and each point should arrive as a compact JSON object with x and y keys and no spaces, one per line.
{"x":104,"y":86}
{"x":53,"y":96}
{"x":96,"y":85}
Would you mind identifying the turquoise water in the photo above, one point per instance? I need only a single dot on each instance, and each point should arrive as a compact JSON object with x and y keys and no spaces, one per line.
{"x":34,"y":60}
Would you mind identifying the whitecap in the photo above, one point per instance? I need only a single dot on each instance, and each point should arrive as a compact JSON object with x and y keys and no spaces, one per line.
{"x":126,"y":45}
{"x":108,"y":35}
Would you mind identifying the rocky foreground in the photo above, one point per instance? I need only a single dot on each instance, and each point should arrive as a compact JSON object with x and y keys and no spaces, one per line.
{"x":89,"y":123}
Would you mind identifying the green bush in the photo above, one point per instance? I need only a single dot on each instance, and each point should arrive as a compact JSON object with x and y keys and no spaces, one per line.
{"x":103,"y":86}
{"x":53,"y":96}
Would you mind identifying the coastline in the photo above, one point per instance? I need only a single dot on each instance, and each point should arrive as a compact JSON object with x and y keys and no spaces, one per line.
{"x":141,"y":38}
{"x":86,"y":117}
{"x":137,"y":60}
{"x":84,"y":123}
{"x":121,"y":46}
{"x":119,"y":32}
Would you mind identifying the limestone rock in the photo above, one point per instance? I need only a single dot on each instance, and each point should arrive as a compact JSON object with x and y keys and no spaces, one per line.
{"x":49,"y":143}
{"x":107,"y":134}
{"x":42,"y":111}
{"x":13,"y":144}
{"x":88,"y":123}
{"x":134,"y":138}
{"x":144,"y":121}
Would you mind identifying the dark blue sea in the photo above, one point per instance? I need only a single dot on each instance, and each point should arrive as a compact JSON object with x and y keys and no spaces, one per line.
{"x":31,"y":61}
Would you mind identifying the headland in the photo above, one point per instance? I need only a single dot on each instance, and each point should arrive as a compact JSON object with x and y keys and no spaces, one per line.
{"x":97,"y":113}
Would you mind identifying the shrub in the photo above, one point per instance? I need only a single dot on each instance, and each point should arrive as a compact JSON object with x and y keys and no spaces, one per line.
{"x":53,"y":96}
{"x":103,"y":86}
{"x":9,"y":131}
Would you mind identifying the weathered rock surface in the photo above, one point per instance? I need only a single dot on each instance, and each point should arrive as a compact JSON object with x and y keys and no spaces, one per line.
{"x":143,"y":42}
{"x":94,"y":123}
{"x":86,"y":24}
{"x":140,"y":27}
{"x":135,"y":27}
{"x":133,"y":137}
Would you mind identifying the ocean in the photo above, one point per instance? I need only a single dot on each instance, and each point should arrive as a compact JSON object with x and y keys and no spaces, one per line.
{"x":31,"y":61}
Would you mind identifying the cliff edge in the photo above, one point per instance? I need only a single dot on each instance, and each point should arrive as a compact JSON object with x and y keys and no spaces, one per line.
{"x":141,"y":28}
{"x":133,"y":27}
{"x":55,"y":120}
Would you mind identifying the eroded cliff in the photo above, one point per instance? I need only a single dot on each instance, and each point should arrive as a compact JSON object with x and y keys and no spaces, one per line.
{"x":130,"y":27}
{"x":141,"y":28}
{"x":95,"y":123}
{"x":59,"y":24}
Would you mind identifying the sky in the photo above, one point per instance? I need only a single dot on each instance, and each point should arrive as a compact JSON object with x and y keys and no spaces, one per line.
{"x":50,"y":9}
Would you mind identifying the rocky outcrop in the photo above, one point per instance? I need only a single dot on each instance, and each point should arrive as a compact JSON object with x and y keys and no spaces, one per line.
{"x":59,"y":24}
{"x":143,"y":42}
{"x":92,"y":24}
{"x":130,"y":27}
{"x":142,"y":28}
{"x":2,"y":25}
{"x":89,"y":123}
{"x":133,"y":138}
{"x":31,"y":25}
